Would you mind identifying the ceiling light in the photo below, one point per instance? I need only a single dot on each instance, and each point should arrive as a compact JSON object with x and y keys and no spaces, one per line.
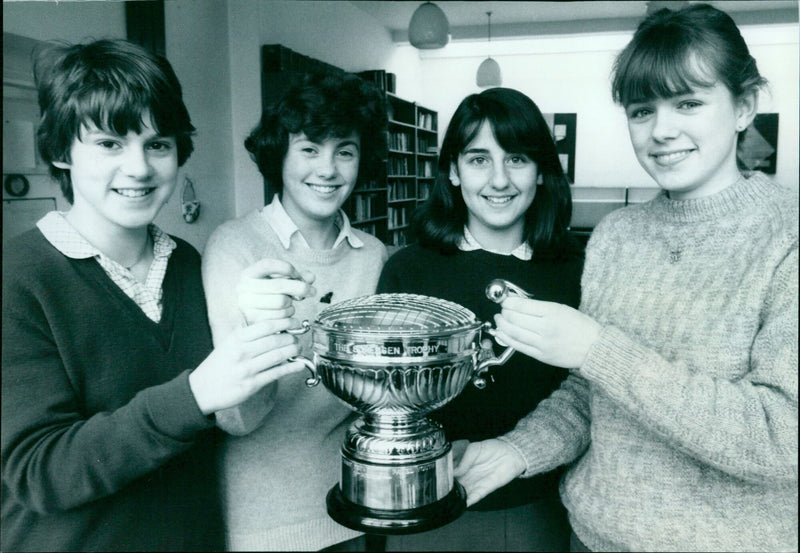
{"x":489,"y":69}
{"x":429,"y":28}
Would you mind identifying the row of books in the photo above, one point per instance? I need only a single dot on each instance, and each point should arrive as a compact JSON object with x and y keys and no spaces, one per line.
{"x":401,"y":190}
{"x":367,"y":206}
{"x":425,"y":120}
{"x":399,"y":216}
{"x":401,"y":141}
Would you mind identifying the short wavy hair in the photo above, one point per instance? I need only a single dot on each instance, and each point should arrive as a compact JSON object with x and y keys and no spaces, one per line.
{"x":321,"y":106}
{"x":519,"y":127}
{"x":110,"y":83}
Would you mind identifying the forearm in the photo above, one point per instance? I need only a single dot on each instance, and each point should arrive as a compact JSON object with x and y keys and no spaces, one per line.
{"x":746,"y":427}
{"x":55,"y":459}
{"x":557,"y":432}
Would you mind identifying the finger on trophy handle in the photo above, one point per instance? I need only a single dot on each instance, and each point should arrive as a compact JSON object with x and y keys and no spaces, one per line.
{"x":497,"y":291}
{"x":305,"y":326}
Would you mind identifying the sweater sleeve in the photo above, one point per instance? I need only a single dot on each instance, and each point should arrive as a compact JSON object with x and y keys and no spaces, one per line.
{"x":746,"y":427}
{"x":54,"y":456}
{"x":555,"y":433}
{"x":222,"y":268}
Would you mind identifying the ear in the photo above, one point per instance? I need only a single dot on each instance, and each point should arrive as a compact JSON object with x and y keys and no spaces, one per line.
{"x":454,"y":175}
{"x":746,"y":109}
{"x":61,"y":165}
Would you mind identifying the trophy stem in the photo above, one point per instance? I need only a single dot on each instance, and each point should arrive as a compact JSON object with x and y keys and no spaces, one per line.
{"x":397,"y":476}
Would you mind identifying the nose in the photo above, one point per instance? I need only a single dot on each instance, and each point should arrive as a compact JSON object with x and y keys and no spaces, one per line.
{"x":136,"y":163}
{"x":664,"y":127}
{"x":499,"y":176}
{"x":326,"y":166}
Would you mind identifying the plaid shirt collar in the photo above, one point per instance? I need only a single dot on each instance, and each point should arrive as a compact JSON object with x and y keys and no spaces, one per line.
{"x":71,"y":243}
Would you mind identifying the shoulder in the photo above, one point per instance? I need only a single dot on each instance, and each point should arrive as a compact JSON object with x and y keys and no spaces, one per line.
{"x":371,"y":244}
{"x":411,"y":256}
{"x":184,"y":252}
{"x":30,"y":255}
{"x":243,"y":238}
{"x":235,"y":229}
{"x":783,"y":209}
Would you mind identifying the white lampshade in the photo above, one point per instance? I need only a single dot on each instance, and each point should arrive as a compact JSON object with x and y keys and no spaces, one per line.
{"x":488,"y":73}
{"x":429,"y":28}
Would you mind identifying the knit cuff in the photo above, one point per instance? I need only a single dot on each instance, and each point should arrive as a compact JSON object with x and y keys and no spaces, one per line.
{"x":174,"y":410}
{"x":612,"y":360}
{"x":521,"y":437}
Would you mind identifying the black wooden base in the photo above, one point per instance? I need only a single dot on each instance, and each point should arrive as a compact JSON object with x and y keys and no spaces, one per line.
{"x":384,"y":521}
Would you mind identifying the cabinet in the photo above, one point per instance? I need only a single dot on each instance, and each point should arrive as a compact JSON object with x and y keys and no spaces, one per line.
{"x":385,"y":209}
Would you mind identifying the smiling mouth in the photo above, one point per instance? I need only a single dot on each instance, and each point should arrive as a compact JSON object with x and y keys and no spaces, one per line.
{"x":498,"y":200}
{"x":323,"y":188}
{"x":671,"y":158}
{"x":134,"y":192}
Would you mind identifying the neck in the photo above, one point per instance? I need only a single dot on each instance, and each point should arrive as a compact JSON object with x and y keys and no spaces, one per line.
{"x":501,"y":241}
{"x":127,"y":246}
{"x":320,"y":236}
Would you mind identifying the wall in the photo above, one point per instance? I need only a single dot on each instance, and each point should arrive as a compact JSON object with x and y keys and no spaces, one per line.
{"x":334,"y":32}
{"x":571,"y":74}
{"x":197,"y":47}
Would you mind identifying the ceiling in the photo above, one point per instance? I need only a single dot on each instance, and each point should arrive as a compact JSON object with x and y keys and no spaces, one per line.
{"x":468,"y":20}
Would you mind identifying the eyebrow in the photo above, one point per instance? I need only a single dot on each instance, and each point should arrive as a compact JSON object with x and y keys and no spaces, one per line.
{"x":475,"y":151}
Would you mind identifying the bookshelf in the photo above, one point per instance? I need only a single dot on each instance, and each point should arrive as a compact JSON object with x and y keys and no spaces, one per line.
{"x":412,"y":150}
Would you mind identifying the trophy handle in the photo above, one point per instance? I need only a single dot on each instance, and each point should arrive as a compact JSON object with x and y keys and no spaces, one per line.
{"x":497,"y":290}
{"x":314,"y":379}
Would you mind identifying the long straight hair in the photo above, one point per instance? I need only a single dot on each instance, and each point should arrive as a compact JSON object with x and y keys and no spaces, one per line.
{"x":520,"y":128}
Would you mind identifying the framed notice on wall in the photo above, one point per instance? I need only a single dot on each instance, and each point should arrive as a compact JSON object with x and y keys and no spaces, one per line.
{"x":758,"y":148}
{"x":563,"y":127}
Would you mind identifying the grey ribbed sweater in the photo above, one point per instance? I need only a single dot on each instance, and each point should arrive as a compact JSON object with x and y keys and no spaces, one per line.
{"x":283,"y":455}
{"x":685,"y":410}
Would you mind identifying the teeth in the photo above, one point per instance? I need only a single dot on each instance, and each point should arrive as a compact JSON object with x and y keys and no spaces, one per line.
{"x":133,"y":192}
{"x":498,"y":200}
{"x":322,"y":189}
{"x":671,"y":157}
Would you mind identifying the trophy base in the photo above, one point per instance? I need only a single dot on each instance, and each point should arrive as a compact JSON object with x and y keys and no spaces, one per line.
{"x":384,"y":521}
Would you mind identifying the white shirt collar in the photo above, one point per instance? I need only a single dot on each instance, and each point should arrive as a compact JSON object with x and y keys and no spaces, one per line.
{"x":285,"y":228}
{"x":468,"y":243}
{"x":66,"y":239}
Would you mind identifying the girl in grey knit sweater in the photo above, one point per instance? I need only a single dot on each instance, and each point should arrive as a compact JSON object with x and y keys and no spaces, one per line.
{"x":679,"y":415}
{"x":281,"y":452}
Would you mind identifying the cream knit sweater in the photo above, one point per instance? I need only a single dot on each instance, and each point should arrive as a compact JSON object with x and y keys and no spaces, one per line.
{"x":685,"y":410}
{"x":282,"y":455}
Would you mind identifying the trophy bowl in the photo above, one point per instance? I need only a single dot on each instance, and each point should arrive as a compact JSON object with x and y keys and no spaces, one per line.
{"x":394,"y":358}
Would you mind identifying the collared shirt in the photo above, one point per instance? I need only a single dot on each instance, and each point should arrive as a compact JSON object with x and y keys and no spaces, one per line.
{"x":285,"y":228}
{"x":468,"y":243}
{"x":148,"y":295}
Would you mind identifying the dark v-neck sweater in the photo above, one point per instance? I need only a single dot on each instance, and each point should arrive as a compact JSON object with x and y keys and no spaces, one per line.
{"x":103,"y":445}
{"x":513,"y":389}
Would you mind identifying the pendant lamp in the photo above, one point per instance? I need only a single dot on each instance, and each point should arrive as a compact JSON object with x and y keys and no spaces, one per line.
{"x":429,"y":28}
{"x":489,"y":70}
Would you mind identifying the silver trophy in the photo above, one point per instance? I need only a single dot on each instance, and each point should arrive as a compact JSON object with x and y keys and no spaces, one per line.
{"x":394,"y":358}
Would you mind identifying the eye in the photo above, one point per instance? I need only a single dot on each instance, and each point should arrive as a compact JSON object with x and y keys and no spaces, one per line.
{"x":517,"y":159}
{"x":687,"y":105}
{"x":638,"y":112}
{"x":161,"y":145}
{"x":347,"y":154}
{"x":108,"y":144}
{"x":478,"y":161}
